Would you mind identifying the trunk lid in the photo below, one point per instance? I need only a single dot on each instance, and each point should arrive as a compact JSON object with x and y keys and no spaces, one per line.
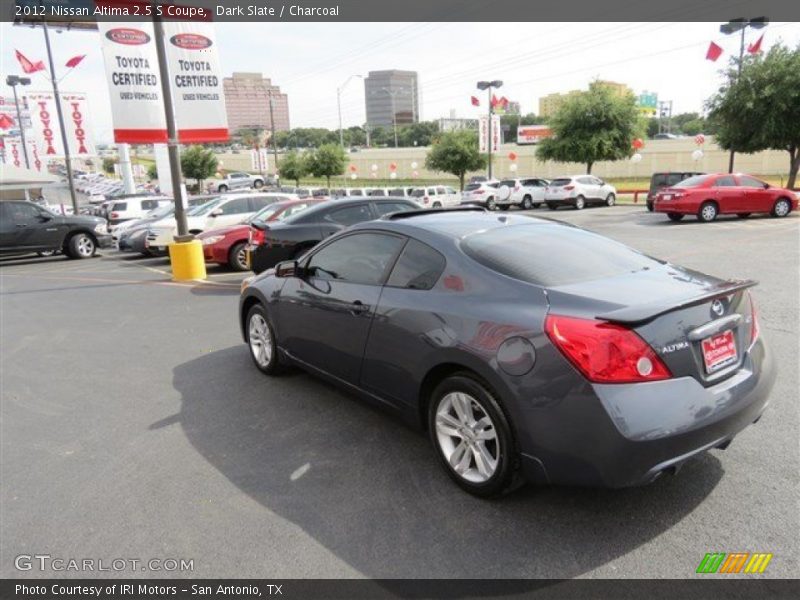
{"x":699,"y":326}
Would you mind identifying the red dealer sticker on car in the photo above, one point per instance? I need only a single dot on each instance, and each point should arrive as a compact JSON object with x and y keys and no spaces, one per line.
{"x":190,"y":41}
{"x":127,"y":36}
{"x":719,"y":351}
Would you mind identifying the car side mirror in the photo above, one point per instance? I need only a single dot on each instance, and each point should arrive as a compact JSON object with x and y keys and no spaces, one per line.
{"x":216,"y":212}
{"x":766,"y":186}
{"x":288,"y":268}
{"x":43,"y":218}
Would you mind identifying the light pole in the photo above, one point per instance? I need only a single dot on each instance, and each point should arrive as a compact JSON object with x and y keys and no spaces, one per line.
{"x":339,"y":105}
{"x":14,"y":81}
{"x":741,"y":25}
{"x":272,"y":129}
{"x":488,"y":85}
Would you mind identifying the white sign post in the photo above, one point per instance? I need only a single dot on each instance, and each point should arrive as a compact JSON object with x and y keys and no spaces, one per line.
{"x":259,"y":160}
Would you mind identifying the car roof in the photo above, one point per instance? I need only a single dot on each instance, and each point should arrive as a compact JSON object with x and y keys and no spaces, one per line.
{"x":449,"y":223}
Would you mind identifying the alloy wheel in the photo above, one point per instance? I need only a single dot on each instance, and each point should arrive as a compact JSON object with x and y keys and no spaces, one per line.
{"x":781,"y":208}
{"x":85,"y":246}
{"x":241,"y":258}
{"x":260,"y":339}
{"x":467,"y":437}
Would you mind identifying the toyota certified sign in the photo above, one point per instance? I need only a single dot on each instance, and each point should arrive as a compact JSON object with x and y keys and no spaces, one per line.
{"x":190,"y":41}
{"x":127,"y":36}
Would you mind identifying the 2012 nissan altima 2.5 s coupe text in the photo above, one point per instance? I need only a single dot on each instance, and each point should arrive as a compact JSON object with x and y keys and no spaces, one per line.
{"x":528,"y":349}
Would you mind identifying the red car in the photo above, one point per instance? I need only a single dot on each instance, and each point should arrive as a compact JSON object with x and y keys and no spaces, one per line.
{"x":226,"y":245}
{"x":707,"y":196}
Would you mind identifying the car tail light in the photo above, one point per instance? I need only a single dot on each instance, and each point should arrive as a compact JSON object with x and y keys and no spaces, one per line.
{"x":754,"y":329}
{"x":605,"y":352}
{"x":477,"y":191}
{"x":114,"y":215}
{"x":257,"y":236}
{"x":569,"y":187}
{"x":516,"y":188}
{"x":426,"y":199}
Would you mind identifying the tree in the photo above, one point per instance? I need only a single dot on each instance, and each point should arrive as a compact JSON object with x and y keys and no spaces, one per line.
{"x":456,"y":152}
{"x":592,"y":126}
{"x":293,"y":166}
{"x":759,"y":109}
{"x":108,"y":164}
{"x":327,"y":161}
{"x":152,"y":172}
{"x":198,"y":163}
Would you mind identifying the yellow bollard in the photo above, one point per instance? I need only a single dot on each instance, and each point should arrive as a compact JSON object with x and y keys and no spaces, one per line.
{"x":187,"y":260}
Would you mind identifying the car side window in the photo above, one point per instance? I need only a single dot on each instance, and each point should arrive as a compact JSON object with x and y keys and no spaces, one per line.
{"x":450,"y":190}
{"x":257,"y":204}
{"x":119,"y":206}
{"x":418,"y":268}
{"x":726,"y":181}
{"x":384,"y":208}
{"x":22,"y":212}
{"x":440,"y":190}
{"x":236,"y":207}
{"x":585,"y":180}
{"x":360,"y":258}
{"x":350,"y":215}
{"x":751,"y":182}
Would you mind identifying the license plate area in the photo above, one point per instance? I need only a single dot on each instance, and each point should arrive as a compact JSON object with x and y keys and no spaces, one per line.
{"x":719,"y":351}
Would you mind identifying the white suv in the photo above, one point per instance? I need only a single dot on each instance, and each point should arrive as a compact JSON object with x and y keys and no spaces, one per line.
{"x":578,"y":191}
{"x":126,"y":209}
{"x":526,"y":193}
{"x":228,"y":209}
{"x":438,"y":196}
{"x":482,"y":194}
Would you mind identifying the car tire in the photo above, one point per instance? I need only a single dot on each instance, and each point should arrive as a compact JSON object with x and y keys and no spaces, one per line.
{"x":708,"y":212}
{"x":649,"y":206}
{"x":437,"y":205}
{"x":81,"y":245}
{"x":675,"y":216}
{"x":743,"y":215}
{"x":237,"y":257}
{"x":468,"y":427}
{"x":491,"y":204}
{"x":258,"y":184}
{"x":611,"y":200}
{"x":260,"y":339}
{"x":781,"y":208}
{"x":527,"y":203}
{"x":580,"y":203}
{"x":222,"y":189}
{"x":552,"y":205}
{"x":503,"y":206}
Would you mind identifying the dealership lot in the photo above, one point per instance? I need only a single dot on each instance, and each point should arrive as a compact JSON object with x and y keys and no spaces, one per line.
{"x":135,"y":426}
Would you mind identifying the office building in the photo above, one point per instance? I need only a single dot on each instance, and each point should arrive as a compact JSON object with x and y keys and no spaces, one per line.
{"x":391,"y":96}
{"x":549,"y":105}
{"x":247,"y":97}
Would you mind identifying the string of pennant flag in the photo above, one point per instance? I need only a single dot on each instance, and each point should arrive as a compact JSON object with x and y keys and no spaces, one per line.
{"x":501,"y":102}
{"x":715,"y":50}
{"x":29,"y":66}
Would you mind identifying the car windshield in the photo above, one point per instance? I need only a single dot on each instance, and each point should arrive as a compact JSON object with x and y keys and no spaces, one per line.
{"x":161,"y":211}
{"x":553,"y":255}
{"x":560,"y":182}
{"x":692,"y":181}
{"x":508,"y":182}
{"x":203,"y":208}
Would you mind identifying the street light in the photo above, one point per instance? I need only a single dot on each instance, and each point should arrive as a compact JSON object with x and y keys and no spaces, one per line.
{"x":741,"y":25}
{"x":14,"y":81}
{"x":488,"y":85}
{"x":339,"y":104}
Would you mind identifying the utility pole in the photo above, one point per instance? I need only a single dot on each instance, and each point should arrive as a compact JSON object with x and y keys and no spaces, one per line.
{"x":13,"y":81}
{"x":60,"y":113}
{"x":272,"y":127}
{"x":173,"y":149}
{"x":339,"y":104}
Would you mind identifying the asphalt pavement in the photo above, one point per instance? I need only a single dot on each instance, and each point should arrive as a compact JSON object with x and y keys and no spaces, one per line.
{"x":133,"y":425}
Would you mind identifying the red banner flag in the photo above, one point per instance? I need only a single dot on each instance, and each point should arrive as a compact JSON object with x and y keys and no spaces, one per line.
{"x":28,"y":66}
{"x":5,"y":121}
{"x":755,"y":48}
{"x":475,"y":101}
{"x":75,"y":61}
{"x":494,"y":101}
{"x":714,"y":52}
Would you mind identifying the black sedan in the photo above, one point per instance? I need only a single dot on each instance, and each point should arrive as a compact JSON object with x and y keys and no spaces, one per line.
{"x":525,"y":347}
{"x":271,"y":243}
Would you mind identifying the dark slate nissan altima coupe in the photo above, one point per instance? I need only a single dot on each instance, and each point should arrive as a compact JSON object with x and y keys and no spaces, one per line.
{"x":529,"y":349}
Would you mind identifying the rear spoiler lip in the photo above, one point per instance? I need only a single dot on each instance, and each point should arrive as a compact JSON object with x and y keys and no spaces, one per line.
{"x":634,"y":315}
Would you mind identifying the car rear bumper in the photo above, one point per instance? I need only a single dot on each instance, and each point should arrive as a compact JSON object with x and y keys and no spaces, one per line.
{"x":104,"y":240}
{"x":215,"y":254}
{"x":262,"y":258}
{"x":630,"y":434}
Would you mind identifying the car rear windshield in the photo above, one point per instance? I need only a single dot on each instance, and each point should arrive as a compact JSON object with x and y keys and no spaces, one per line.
{"x":560,"y":182}
{"x":472,"y":186}
{"x":692,"y":181}
{"x":508,"y":182}
{"x":552,"y":255}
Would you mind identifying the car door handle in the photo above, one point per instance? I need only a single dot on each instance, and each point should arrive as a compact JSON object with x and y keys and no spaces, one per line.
{"x":358,"y":307}
{"x":21,"y":225}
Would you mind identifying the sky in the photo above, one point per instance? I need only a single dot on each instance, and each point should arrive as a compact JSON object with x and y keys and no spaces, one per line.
{"x":310,"y":60}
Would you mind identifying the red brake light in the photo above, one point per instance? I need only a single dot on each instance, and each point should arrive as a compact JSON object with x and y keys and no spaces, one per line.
{"x":257,"y":236}
{"x":477,"y":192}
{"x":426,"y":199}
{"x":114,"y":215}
{"x":569,"y":187}
{"x":605,"y":352}
{"x":754,"y":329}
